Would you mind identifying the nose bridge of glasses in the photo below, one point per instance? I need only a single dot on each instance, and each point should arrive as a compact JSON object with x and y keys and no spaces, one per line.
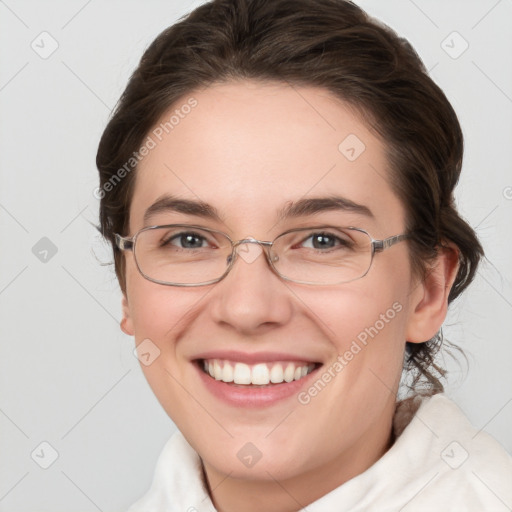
{"x":249,"y":249}
{"x":251,"y":240}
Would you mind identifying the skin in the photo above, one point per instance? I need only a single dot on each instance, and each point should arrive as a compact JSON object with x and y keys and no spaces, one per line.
{"x":249,"y":149}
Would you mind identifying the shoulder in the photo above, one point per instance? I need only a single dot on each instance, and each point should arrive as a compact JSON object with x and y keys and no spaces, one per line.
{"x":467,"y":469}
{"x":438,"y":461}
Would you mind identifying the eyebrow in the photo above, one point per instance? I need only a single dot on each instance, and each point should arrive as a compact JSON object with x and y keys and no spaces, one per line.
{"x":310,"y":206}
{"x":187,"y":206}
{"x":300,"y":208}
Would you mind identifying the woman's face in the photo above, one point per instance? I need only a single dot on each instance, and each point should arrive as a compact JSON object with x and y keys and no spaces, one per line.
{"x":250,"y":151}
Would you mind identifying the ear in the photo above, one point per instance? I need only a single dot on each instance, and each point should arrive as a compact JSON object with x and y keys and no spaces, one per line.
{"x":126,"y":322}
{"x":430,"y":297}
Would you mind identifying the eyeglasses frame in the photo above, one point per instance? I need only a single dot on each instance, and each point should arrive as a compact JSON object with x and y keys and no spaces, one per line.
{"x":128,"y":244}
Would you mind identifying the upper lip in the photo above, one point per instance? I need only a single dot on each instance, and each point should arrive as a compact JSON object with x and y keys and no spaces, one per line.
{"x":253,"y":357}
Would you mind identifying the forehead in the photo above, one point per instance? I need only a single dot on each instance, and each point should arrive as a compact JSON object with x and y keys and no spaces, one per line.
{"x":250,"y":148}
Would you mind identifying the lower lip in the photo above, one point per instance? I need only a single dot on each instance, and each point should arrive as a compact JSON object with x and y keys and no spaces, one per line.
{"x":253,"y":396}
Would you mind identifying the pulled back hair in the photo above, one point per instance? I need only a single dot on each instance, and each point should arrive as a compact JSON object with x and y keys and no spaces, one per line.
{"x":332,"y":44}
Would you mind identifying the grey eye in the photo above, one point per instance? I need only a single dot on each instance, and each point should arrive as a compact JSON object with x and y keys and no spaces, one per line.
{"x":185,"y":240}
{"x":323,"y":241}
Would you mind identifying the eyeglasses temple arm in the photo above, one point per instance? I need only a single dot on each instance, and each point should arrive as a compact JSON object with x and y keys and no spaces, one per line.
{"x":124,"y":244}
{"x":380,"y":245}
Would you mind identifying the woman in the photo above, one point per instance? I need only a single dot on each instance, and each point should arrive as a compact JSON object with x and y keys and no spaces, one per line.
{"x":277,"y":185}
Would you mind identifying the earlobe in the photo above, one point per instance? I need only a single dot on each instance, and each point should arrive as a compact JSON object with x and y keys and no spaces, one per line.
{"x":430,"y":303}
{"x":126,"y":322}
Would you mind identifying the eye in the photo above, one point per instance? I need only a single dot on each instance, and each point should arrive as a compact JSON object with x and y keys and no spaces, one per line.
{"x":324,"y":241}
{"x":186,"y":240}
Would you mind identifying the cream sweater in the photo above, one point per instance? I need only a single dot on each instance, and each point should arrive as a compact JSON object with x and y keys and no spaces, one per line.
{"x":439,"y":462}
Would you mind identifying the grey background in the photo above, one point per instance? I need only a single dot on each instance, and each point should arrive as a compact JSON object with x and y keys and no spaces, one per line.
{"x":67,"y":373}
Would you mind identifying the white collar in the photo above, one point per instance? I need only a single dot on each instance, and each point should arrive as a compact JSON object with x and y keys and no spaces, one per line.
{"x":438,"y":458}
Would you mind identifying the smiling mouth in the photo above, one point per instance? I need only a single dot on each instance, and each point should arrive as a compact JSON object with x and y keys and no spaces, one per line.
{"x":260,"y":374}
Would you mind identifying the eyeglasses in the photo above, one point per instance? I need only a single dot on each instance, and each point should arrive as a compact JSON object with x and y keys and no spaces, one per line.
{"x":188,"y":255}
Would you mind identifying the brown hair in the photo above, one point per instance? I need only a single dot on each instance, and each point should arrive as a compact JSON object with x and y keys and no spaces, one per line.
{"x":333,"y":44}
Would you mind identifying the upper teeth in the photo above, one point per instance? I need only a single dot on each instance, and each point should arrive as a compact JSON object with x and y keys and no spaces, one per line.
{"x":259,"y":374}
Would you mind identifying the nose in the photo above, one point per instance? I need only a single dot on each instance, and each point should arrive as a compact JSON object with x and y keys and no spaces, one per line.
{"x":251,"y":299}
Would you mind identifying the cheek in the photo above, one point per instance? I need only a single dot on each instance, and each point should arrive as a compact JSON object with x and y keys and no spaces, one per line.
{"x":376,"y":318}
{"x":364,"y":314}
{"x":366,"y":323}
{"x":156,"y":309}
{"x":366,"y":328}
{"x":160,"y":314}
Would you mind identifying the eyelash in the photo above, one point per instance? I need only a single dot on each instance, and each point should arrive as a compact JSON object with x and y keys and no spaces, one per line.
{"x":179,"y":236}
{"x":341,"y":242}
